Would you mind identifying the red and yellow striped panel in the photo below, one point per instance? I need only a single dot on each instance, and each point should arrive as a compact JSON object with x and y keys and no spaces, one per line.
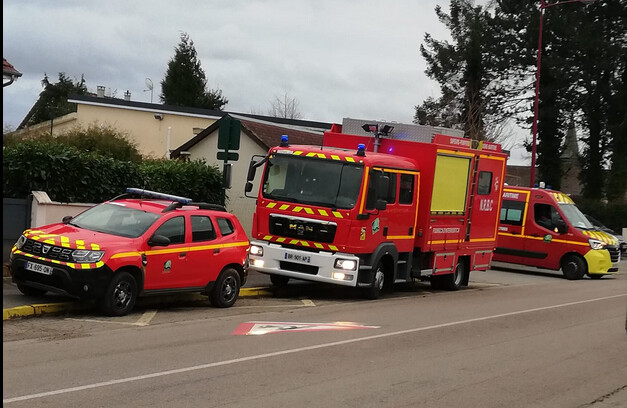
{"x":72,"y":265}
{"x":59,"y":240}
{"x":301,"y":242}
{"x":299,"y":209}
{"x":602,"y":236}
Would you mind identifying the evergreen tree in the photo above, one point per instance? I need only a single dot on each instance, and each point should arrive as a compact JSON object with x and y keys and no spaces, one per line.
{"x":185,"y":83}
{"x":463,"y":69}
{"x":53,"y":100}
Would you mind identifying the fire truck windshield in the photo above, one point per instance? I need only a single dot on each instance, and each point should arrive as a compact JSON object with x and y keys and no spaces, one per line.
{"x":322,"y":182}
{"x":575,"y":217}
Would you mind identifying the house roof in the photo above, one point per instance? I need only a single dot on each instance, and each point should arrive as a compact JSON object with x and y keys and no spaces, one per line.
{"x":266,"y":133}
{"x":8,"y":69}
{"x":186,"y":111}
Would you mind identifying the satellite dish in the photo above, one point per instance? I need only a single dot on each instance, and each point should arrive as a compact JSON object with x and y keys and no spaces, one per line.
{"x":149,"y":86}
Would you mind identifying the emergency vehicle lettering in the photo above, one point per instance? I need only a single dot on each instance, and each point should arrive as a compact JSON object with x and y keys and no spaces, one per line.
{"x":486,"y":204}
{"x":513,"y":196}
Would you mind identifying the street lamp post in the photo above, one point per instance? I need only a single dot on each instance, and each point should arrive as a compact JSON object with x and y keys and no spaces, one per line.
{"x":543,"y":5}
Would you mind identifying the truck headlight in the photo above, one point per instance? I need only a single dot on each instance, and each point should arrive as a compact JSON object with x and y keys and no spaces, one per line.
{"x":86,"y":256}
{"x":345,"y":264}
{"x":256,"y":250}
{"x":595,"y":244}
{"x":20,"y":242}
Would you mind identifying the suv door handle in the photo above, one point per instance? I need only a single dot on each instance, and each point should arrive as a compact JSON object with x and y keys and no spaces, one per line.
{"x":216,"y":251}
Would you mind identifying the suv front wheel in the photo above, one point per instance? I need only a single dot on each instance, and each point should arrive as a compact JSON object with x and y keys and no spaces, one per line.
{"x":121,"y":294}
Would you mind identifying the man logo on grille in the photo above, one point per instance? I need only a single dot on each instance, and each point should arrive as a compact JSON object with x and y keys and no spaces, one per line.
{"x":45,"y":249}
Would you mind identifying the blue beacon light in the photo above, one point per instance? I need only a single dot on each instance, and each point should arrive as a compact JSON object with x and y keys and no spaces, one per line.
{"x":361,"y":149}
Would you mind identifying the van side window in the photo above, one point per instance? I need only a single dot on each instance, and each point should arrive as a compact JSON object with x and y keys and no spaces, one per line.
{"x":174,"y":228}
{"x":545,"y":215}
{"x":484,"y":185}
{"x":512,"y":212}
{"x":406,"y":192}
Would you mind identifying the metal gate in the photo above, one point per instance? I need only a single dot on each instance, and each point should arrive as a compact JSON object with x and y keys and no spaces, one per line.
{"x":16,"y":213}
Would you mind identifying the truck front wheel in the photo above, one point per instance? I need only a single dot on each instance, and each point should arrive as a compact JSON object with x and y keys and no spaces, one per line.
{"x":121,"y":294}
{"x":378,"y":279}
{"x":574,"y":267}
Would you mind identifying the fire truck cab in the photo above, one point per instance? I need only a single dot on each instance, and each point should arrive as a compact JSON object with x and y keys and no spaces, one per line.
{"x":370,"y":212}
{"x":544,"y":228}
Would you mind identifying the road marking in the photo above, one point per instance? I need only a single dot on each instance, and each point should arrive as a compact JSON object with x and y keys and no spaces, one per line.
{"x":144,"y":320}
{"x":307,"y":302}
{"x":259,"y":328}
{"x":292,"y":351}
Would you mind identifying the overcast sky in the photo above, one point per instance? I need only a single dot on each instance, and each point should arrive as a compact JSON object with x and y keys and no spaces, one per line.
{"x":338,"y":58}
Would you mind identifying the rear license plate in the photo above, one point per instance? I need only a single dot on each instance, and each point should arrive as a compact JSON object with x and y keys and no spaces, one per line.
{"x":39,"y":268}
{"x":297,"y":258}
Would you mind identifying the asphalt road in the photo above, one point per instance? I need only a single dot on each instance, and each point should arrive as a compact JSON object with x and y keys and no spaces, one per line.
{"x":516,"y":339}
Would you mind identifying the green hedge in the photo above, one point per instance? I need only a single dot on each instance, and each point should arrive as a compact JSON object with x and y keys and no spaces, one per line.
{"x":68,"y":174}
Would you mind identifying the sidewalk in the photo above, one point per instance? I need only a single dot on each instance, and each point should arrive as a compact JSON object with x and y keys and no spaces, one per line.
{"x":17,"y":305}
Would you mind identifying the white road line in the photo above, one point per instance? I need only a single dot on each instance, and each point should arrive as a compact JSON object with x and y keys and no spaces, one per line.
{"x":292,"y":351}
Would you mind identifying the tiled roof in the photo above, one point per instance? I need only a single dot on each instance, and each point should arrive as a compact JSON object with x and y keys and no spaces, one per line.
{"x":266,"y":133}
{"x":8,"y":69}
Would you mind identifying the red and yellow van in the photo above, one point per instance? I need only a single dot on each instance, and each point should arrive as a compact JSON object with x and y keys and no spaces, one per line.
{"x":544,"y":228}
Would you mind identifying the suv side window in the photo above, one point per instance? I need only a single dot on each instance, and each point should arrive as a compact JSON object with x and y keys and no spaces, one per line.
{"x":226,"y":226}
{"x":202,"y":228}
{"x":174,"y":229}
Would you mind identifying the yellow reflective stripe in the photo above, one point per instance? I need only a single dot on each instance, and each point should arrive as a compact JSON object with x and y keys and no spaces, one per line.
{"x":294,"y":241}
{"x":267,"y":237}
{"x":297,"y":209}
{"x":65,"y":242}
{"x":49,"y":241}
{"x":310,"y":154}
{"x":309,"y":211}
{"x":350,"y":159}
{"x":80,"y":244}
{"x":281,"y":239}
{"x":337,"y":214}
{"x":95,"y":247}
{"x":335,"y":157}
{"x":323,"y":212}
{"x":318,"y":245}
{"x":297,"y":153}
{"x":284,"y":207}
{"x":333,"y":247}
{"x":125,"y":255}
{"x":271,"y":205}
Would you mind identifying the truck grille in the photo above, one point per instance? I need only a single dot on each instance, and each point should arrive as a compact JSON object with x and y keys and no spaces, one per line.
{"x":301,"y":228}
{"x":47,"y":251}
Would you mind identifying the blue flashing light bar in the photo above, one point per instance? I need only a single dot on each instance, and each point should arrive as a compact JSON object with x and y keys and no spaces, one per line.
{"x":361,"y":149}
{"x":284,"y":141}
{"x":155,"y":194}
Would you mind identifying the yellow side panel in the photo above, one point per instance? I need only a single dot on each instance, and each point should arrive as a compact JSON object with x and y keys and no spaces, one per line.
{"x":450,"y":184}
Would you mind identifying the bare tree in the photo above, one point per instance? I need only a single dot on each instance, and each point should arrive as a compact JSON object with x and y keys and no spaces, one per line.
{"x":285,"y":106}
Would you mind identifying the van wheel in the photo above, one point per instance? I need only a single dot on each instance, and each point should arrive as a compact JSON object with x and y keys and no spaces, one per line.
{"x":120,"y":296}
{"x":574,"y":267}
{"x":29,"y":291}
{"x":226,"y":289}
{"x":452,"y":281}
{"x":279,"y":281}
{"x":378,"y":279}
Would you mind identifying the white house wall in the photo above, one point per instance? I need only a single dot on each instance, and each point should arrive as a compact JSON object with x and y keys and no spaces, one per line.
{"x":237,"y":203}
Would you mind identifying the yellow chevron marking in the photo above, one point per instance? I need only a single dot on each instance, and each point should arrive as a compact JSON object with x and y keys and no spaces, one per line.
{"x":95,"y":247}
{"x":350,"y":159}
{"x":335,"y":157}
{"x":297,"y":209}
{"x":309,"y":211}
{"x":323,"y":212}
{"x":310,"y":154}
{"x":332,"y":247}
{"x":284,"y":207}
{"x":320,"y":246}
{"x":267,"y":237}
{"x":50,"y":241}
{"x":281,"y":239}
{"x":297,"y":153}
{"x":337,"y":214}
{"x":271,"y":205}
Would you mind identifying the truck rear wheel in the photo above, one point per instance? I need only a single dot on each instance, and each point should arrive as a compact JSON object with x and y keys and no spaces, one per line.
{"x":452,"y":281}
{"x":574,"y":267}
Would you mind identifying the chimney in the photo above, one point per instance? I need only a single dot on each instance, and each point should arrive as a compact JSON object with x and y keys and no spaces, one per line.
{"x":127,"y":95}
{"x":100,"y":91}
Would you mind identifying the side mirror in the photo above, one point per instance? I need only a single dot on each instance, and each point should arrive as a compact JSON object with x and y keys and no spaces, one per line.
{"x":248,"y":187}
{"x":159,"y":240}
{"x":252,"y":169}
{"x":381,"y":205}
{"x":66,"y":219}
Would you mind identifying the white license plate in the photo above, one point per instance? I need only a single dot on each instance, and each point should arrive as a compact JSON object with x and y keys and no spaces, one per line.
{"x":297,"y":258}
{"x":35,"y":267}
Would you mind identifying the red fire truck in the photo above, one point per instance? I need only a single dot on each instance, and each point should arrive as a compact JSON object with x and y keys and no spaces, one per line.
{"x":368,"y":212}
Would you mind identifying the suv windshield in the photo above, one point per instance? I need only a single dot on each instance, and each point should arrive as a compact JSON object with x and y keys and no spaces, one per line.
{"x":302,"y":180}
{"x":115,"y":219}
{"x":575,"y":217}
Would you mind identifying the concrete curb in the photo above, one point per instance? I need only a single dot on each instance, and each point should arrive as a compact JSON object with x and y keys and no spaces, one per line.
{"x":64,"y":307}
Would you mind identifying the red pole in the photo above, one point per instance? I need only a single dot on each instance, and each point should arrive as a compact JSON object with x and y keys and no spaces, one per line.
{"x":535,"y":110}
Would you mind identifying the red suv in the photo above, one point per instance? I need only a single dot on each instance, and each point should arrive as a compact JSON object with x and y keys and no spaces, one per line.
{"x":137,"y":244}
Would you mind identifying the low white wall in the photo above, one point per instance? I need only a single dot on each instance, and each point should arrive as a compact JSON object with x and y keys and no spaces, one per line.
{"x":45,"y":211}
